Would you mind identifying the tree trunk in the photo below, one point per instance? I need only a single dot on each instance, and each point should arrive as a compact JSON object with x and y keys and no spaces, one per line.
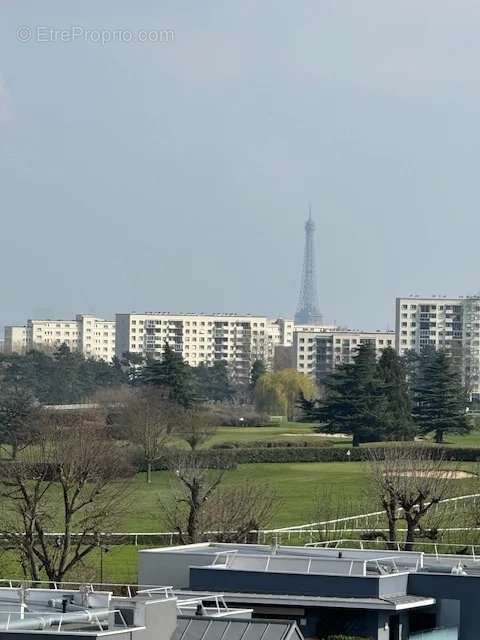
{"x":410,"y":537}
{"x":14,"y":451}
{"x":192,"y":525}
{"x":392,"y":533}
{"x":149,"y":472}
{"x":439,"y":436}
{"x":356,"y":440}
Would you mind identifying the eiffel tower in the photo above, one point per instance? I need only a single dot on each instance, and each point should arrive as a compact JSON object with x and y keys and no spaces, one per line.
{"x":307,"y":310}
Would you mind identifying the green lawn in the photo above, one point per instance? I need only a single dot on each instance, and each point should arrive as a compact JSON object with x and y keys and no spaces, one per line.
{"x":284,"y":432}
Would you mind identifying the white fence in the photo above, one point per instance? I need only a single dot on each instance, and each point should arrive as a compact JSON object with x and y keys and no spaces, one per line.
{"x":300,"y":534}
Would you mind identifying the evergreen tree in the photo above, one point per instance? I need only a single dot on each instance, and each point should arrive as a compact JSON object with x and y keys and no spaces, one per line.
{"x":399,"y":424}
{"x":354,"y":400}
{"x":258,"y":370}
{"x":214,"y":382}
{"x":174,"y":376}
{"x":439,"y":396}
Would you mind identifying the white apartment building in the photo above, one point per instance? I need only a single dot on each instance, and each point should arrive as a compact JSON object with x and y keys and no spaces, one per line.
{"x":15,"y":339}
{"x":318,"y":353}
{"x":93,"y":337}
{"x":443,"y":323}
{"x":428,"y":321}
{"x":204,"y":338}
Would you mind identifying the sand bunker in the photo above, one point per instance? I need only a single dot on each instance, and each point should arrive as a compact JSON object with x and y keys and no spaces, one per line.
{"x":317,"y":435}
{"x":453,"y":475}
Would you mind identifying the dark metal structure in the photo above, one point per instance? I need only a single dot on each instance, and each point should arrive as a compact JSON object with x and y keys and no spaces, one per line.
{"x":308,"y":311}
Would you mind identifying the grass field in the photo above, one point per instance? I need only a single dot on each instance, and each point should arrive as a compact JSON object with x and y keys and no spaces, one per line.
{"x":292,"y":431}
{"x":305,"y":492}
{"x":284,"y":432}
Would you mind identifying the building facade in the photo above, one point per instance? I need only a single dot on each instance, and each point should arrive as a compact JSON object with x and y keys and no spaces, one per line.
{"x":452,"y":324}
{"x":91,"y":336}
{"x":15,"y":339}
{"x":318,"y":353}
{"x":201,"y":338}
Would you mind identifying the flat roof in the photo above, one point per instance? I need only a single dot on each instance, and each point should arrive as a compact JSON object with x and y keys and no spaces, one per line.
{"x":390,"y":603}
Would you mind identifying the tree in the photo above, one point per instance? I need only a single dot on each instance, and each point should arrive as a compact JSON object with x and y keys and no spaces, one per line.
{"x":149,"y":420}
{"x":278,"y":393}
{"x":201,"y":504}
{"x":440,"y":401}
{"x":399,"y":424}
{"x":194,"y":426}
{"x":236,"y":512}
{"x":173,"y":376}
{"x":19,"y":419}
{"x":195,"y":483}
{"x":354,"y":400}
{"x":408,"y":481}
{"x":68,"y":483}
{"x":270,"y":396}
{"x":63,"y":377}
{"x":214,"y":382}
{"x":258,"y":370}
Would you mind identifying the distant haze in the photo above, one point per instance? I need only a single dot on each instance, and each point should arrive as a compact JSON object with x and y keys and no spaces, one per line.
{"x":176,"y":175}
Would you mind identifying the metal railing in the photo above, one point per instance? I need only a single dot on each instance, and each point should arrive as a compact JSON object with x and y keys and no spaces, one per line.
{"x":432,"y":548}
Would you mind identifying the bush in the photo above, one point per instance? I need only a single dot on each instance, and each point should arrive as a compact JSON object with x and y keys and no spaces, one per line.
{"x":227,"y":458}
{"x":270,"y":444}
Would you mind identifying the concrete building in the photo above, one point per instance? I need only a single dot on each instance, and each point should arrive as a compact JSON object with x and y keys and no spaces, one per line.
{"x":203,"y":338}
{"x":436,"y":322}
{"x":91,"y":613}
{"x":318,"y":353}
{"x":452,"y":324}
{"x":15,"y":339}
{"x":93,"y":337}
{"x":380,"y":594}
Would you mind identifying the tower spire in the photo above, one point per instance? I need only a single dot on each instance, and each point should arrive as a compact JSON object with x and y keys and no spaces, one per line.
{"x":307,"y":310}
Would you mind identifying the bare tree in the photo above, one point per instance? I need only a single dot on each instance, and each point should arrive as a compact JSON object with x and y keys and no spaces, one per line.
{"x":195,"y":484}
{"x":236,"y":512}
{"x":194,"y":426}
{"x":201,"y":503}
{"x":408,"y":482}
{"x":69,"y":482}
{"x":149,"y":421}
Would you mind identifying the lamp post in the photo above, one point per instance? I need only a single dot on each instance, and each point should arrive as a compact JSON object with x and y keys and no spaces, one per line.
{"x":102,"y":551}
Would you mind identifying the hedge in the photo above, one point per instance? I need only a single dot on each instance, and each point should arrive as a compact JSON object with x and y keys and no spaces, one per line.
{"x":230,"y":458}
{"x":270,"y":444}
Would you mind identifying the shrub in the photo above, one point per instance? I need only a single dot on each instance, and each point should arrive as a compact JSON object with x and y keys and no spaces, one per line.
{"x":230,"y":457}
{"x":270,"y":444}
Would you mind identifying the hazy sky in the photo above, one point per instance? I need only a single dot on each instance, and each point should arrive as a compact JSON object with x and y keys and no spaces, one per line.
{"x":177,"y":175}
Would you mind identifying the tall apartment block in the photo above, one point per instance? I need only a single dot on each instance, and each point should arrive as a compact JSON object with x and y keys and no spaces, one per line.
{"x":15,"y":339}
{"x":93,"y":337}
{"x":318,"y":353}
{"x":452,"y":324}
{"x":202,"y":338}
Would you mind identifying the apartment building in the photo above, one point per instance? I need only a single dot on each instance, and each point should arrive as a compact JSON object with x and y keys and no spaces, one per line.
{"x":452,"y":324}
{"x":436,"y":322}
{"x":93,"y":337}
{"x":15,"y":339}
{"x":318,"y":353}
{"x":204,"y":338}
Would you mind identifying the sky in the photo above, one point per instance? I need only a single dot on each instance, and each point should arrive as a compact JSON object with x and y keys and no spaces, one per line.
{"x":162,"y":155}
